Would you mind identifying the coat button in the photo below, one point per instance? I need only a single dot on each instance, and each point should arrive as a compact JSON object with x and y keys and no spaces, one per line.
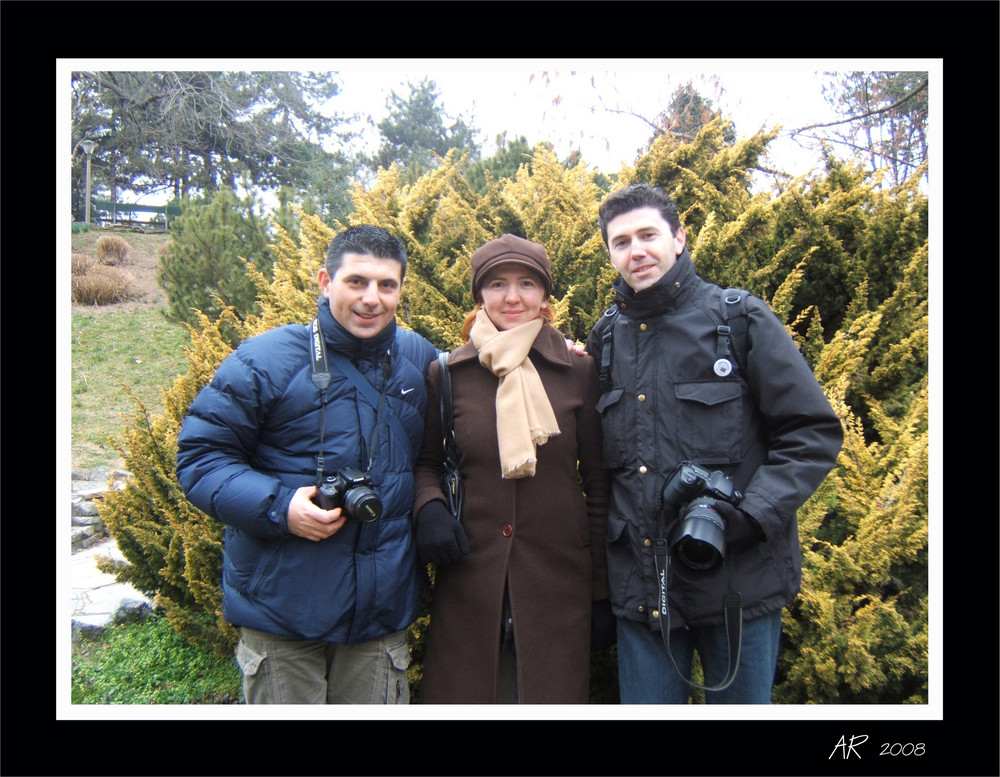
{"x":655,"y":614}
{"x":507,"y":530}
{"x":647,"y":542}
{"x":642,"y":327}
{"x":642,"y":397}
{"x":642,"y":470}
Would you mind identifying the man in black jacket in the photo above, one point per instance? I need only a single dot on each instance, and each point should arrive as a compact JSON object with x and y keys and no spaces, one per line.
{"x":716,"y":432}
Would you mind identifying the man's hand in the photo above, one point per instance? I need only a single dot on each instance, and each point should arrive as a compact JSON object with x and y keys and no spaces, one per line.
{"x":575,"y":347}
{"x":742,"y":531}
{"x":310,"y":521}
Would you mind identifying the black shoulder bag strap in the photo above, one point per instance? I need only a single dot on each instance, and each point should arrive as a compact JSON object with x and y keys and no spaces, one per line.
{"x":607,"y":341}
{"x":732,"y":329}
{"x":451,"y":480}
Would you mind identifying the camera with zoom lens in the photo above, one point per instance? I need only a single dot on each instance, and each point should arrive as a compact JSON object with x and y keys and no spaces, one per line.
{"x":699,"y":542}
{"x":351,"y":490}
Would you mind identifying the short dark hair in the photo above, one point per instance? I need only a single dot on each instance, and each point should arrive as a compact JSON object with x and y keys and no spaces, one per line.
{"x":637,"y":195}
{"x":366,"y":240}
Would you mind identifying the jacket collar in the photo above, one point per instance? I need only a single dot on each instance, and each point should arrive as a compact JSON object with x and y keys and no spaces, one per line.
{"x":353,"y":347}
{"x":668,"y":293}
{"x":550,"y":345}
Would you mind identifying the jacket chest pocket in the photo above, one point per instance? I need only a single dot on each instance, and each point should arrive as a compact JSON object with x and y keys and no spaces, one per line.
{"x":615,"y":425}
{"x":708,"y":424}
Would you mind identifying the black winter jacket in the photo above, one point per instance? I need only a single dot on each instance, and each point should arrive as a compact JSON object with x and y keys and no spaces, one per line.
{"x":251,"y":438}
{"x":767,"y":424}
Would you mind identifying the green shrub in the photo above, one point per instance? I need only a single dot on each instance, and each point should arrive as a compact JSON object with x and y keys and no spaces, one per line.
{"x":173,"y":550}
{"x":101,"y":285}
{"x":111,"y":250}
{"x":205,"y":266}
{"x":150,"y":663}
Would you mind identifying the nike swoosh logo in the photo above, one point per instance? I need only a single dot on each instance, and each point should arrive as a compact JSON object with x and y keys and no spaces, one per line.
{"x":404,"y":392}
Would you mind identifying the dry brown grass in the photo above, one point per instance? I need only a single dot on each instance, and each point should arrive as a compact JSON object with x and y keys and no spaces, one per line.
{"x":112,"y":250}
{"x":81,"y":264}
{"x":101,"y":285}
{"x":142,"y":264}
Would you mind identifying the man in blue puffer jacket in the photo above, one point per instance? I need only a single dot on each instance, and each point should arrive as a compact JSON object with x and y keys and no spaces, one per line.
{"x":322,"y":597}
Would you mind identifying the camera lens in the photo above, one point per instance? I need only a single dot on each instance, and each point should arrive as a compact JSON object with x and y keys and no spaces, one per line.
{"x":701,"y":539}
{"x":363,"y":504}
{"x":696,"y":554}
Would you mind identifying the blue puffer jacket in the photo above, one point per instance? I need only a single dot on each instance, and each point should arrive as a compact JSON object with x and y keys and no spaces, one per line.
{"x":251,"y":438}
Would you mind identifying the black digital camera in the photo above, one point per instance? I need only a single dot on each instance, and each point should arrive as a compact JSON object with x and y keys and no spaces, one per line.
{"x":351,"y":490}
{"x":700,"y":539}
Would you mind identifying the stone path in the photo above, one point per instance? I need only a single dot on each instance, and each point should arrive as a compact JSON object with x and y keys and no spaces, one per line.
{"x":96,"y":595}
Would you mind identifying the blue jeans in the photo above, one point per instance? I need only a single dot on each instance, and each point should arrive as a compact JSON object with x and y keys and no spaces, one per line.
{"x":647,"y":676}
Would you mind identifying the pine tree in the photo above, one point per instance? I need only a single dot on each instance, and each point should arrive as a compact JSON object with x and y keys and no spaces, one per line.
{"x":505,"y":163}
{"x":205,"y":265}
{"x":173,"y":551}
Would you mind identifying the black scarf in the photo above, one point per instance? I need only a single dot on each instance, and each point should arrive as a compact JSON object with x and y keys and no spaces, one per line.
{"x":668,"y":293}
{"x":362,"y":352}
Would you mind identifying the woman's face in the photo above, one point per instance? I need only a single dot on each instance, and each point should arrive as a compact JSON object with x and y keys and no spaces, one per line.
{"x":512,"y":295}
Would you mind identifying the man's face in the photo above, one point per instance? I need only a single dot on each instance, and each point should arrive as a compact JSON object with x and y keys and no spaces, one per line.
{"x":643,"y":248}
{"x":364,"y":293}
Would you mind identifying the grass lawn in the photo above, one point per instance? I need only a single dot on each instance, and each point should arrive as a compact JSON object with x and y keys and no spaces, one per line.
{"x":113,"y":353}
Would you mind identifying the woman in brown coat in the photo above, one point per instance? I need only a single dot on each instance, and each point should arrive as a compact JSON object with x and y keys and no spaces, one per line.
{"x":516,"y":580}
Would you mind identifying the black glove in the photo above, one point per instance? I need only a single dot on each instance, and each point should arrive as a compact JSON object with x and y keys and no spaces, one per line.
{"x":603,"y":625}
{"x":742,"y":531}
{"x":440,"y":538}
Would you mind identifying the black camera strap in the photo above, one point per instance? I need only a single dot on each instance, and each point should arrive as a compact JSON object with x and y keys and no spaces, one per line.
{"x":321,"y":379}
{"x":732,"y":611}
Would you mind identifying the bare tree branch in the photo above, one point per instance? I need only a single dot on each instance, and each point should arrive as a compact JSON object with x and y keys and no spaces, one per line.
{"x":656,"y":128}
{"x":865,"y":115}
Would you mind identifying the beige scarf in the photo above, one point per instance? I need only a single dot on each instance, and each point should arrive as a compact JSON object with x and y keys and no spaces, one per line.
{"x":524,"y":416}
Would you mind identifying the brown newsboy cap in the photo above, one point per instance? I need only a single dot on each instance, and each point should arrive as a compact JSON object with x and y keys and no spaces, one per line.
{"x":510,"y":249}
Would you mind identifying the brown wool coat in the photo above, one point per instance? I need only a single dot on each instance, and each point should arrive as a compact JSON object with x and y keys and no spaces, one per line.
{"x":553,"y":558}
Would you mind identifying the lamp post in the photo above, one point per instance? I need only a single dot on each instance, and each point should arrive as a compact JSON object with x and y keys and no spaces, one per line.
{"x":88,"y":148}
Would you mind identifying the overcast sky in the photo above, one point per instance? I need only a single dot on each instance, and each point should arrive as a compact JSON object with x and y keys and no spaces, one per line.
{"x":595,"y":105}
